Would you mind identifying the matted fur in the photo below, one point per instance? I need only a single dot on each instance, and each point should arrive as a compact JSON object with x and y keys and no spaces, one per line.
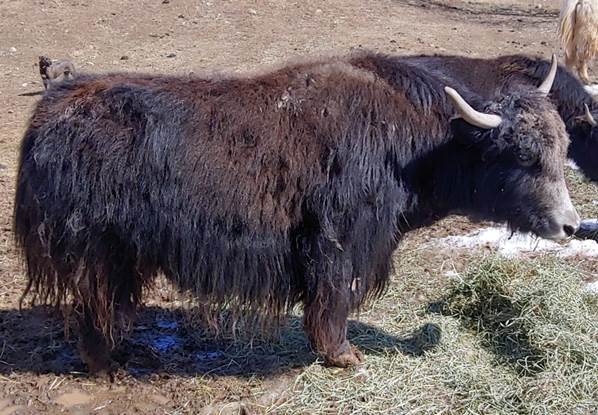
{"x":490,"y":77}
{"x":578,"y":34}
{"x":255,"y":193}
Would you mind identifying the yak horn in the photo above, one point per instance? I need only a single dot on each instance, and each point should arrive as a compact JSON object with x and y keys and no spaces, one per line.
{"x":546,"y":85}
{"x":589,"y":117}
{"x":473,"y":117}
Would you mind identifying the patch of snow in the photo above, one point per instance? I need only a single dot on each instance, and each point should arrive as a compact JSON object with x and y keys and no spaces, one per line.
{"x":517,"y":244}
{"x":451,"y":274}
{"x":591,"y":89}
{"x":593,"y":287}
{"x":572,"y":165}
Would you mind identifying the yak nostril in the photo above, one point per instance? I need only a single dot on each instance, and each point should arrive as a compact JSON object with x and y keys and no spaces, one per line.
{"x":569,"y":230}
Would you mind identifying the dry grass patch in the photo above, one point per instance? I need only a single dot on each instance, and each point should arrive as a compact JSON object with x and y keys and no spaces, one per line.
{"x":506,"y":337}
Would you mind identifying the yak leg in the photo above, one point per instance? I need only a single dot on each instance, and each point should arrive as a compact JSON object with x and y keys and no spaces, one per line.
{"x":325,"y":322}
{"x":327,"y":306}
{"x":108,"y":298}
{"x":93,"y":344}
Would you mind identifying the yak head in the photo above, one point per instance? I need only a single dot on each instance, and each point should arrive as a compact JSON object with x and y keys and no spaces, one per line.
{"x":584,"y":144}
{"x":514,"y":153}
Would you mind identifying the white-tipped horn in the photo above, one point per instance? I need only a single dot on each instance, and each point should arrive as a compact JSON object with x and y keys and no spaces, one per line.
{"x":479,"y":119}
{"x":589,"y":117}
{"x":546,"y":85}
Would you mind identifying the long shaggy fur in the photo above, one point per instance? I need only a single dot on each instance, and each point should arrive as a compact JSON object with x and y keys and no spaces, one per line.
{"x":578,"y":34}
{"x":257,"y":192}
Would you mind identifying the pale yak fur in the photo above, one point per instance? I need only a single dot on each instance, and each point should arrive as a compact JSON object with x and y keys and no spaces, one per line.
{"x":578,"y":33}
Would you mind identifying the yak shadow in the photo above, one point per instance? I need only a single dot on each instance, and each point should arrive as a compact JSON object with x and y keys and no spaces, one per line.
{"x":163,"y":342}
{"x":495,"y":320}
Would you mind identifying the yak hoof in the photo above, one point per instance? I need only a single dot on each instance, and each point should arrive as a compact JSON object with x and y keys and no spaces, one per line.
{"x":103,"y":368}
{"x":350,"y":356}
{"x":106,"y":371}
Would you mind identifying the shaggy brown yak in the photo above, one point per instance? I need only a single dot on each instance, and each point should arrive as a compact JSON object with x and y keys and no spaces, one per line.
{"x":259,"y":192}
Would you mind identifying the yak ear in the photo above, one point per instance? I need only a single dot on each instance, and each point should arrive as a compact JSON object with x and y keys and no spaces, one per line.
{"x":470,"y":135}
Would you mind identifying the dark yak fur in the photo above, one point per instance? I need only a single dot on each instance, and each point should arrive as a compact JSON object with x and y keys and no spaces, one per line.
{"x":256,"y":192}
{"x":490,"y":77}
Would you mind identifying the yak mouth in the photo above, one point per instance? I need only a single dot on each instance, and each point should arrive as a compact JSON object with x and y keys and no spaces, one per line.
{"x":543,"y":226}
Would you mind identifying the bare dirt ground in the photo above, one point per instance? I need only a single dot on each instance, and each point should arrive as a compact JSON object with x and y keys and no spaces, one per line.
{"x":170,"y":366}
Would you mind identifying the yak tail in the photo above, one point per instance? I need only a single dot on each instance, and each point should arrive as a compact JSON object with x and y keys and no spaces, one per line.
{"x":578,"y":30}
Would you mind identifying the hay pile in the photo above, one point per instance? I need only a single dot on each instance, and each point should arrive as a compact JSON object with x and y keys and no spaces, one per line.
{"x":506,"y":337}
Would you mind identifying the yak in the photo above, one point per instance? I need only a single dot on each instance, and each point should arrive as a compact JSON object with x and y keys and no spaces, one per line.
{"x":259,"y":192}
{"x":578,"y":34}
{"x":488,"y":77}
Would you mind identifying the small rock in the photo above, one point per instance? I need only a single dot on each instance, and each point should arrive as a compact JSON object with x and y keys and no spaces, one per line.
{"x":252,"y":11}
{"x":12,"y":49}
{"x":10,"y":111}
{"x":24,"y":85}
{"x":171,"y":55}
{"x":165,"y":1}
{"x":124,"y":58}
{"x":3,"y":167}
{"x":181,"y":16}
{"x":318,"y":11}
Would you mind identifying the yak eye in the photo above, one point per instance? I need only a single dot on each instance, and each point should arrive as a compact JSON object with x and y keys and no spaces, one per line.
{"x":526,"y":160}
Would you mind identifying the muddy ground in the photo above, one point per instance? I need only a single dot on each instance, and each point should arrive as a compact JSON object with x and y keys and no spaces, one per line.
{"x":169,"y":365}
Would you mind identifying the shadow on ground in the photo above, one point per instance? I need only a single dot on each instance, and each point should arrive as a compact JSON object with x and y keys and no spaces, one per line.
{"x":495,"y":318}
{"x":162,"y":341}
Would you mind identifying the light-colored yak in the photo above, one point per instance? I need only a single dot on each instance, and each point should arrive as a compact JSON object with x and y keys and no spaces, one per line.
{"x":578,"y":34}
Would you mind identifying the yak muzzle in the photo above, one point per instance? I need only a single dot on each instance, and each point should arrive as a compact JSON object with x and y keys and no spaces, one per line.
{"x":564,"y":222}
